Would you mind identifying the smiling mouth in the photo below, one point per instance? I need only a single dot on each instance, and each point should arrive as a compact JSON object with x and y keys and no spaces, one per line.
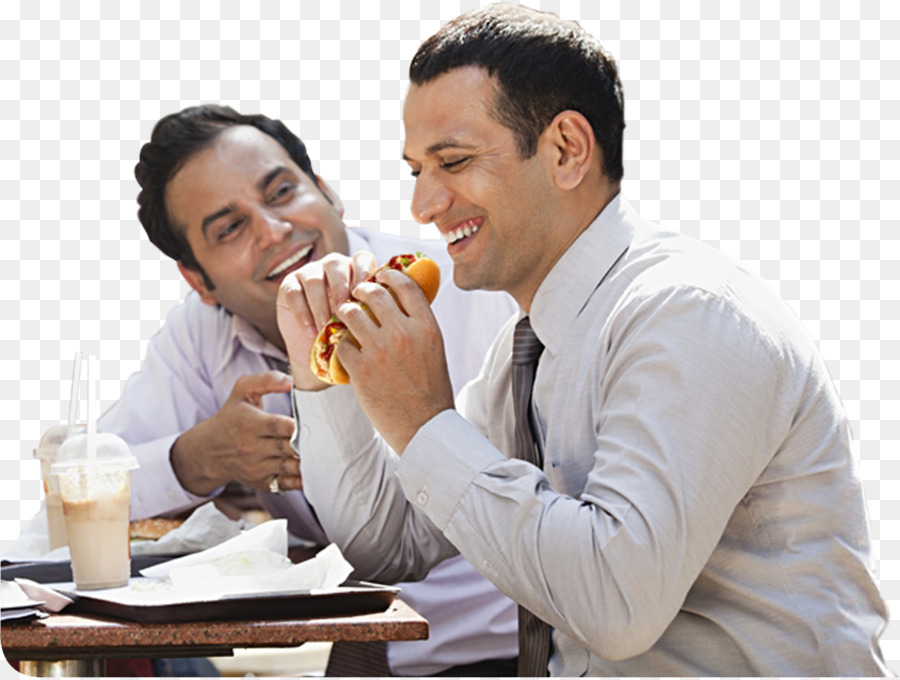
{"x":290,"y":262}
{"x":467,"y":229}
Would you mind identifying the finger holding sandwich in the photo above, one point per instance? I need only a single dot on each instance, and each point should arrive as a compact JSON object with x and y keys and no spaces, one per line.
{"x":411,"y":269}
{"x":396,"y":360}
{"x":306,"y":302}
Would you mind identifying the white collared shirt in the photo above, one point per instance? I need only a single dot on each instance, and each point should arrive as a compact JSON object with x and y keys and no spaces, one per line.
{"x":698,"y":511}
{"x":190,"y":369}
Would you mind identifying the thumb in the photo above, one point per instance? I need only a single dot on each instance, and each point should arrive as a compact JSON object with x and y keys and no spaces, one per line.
{"x":252,"y":387}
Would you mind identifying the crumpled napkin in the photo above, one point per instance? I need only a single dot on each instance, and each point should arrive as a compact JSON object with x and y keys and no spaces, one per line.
{"x":254,"y":562}
{"x":206,"y":527}
{"x":50,"y":600}
{"x":270,"y":536}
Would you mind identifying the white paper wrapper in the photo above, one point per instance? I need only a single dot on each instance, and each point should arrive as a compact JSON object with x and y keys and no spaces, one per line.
{"x":51,"y":600}
{"x":254,"y":562}
{"x":205,"y":528}
{"x":269,"y":536}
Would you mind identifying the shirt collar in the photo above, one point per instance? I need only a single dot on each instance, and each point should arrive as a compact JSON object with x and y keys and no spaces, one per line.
{"x":357,"y":240}
{"x":244,"y":335}
{"x":566,"y":289}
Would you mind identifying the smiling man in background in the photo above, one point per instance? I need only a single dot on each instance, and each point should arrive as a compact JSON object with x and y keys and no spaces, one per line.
{"x":234,"y":200}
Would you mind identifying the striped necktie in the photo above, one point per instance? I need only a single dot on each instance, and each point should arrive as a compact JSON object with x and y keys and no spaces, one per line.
{"x":352,"y":659}
{"x":534,"y":634}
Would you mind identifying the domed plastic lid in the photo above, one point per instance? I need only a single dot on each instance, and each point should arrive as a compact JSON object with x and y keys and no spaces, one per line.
{"x":111,"y":452}
{"x":54,"y":437}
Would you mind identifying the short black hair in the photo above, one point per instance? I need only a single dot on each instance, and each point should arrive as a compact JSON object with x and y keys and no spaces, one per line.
{"x":543,"y":65}
{"x":174,"y":140}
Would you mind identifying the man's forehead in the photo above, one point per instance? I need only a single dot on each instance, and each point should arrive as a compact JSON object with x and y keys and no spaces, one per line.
{"x":448,"y":110}
{"x":239,"y":159}
{"x":249,"y":141}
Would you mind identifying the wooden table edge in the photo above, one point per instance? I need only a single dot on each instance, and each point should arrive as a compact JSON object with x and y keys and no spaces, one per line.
{"x":81,"y":636}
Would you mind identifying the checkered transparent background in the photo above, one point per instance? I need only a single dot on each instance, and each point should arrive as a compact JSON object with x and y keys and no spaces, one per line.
{"x":769,"y":130}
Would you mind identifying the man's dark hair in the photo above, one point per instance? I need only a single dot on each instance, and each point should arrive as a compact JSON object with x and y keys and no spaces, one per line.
{"x":543,"y":65}
{"x":174,"y":140}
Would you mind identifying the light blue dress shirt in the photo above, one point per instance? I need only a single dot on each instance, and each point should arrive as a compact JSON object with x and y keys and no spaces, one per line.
{"x":698,"y":512}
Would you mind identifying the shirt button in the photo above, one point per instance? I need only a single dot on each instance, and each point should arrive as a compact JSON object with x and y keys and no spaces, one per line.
{"x":304,"y":430}
{"x":422,"y":497}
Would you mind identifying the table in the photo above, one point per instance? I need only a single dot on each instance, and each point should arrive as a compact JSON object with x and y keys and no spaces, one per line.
{"x":78,"y":645}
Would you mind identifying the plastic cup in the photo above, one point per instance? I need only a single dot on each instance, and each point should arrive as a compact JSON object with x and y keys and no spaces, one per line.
{"x":46,"y":452}
{"x":95,"y":489}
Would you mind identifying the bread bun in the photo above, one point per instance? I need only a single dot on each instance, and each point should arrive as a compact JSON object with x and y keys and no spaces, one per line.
{"x":323,"y":360}
{"x":153,"y":528}
{"x":427,"y":275}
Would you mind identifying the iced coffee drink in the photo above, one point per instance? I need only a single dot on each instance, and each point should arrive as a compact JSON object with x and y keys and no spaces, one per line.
{"x":99,"y":541}
{"x":47,"y":451}
{"x":95,"y":489}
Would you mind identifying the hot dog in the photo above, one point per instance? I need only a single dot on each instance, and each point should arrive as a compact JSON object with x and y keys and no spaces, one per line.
{"x":152,"y":529}
{"x":323,"y":360}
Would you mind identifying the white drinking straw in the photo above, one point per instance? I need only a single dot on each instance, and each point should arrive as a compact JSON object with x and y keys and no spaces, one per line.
{"x":92,"y":408}
{"x":76,"y":387}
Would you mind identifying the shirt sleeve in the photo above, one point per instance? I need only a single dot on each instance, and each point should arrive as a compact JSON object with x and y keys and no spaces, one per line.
{"x":349,"y":478}
{"x":170,"y":394}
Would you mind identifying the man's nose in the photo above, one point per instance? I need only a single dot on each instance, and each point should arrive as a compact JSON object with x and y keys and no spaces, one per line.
{"x":271,"y":229}
{"x":431,"y":198}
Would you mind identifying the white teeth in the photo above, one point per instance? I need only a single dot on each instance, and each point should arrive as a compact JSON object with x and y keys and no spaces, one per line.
{"x":458,"y":234}
{"x":290,"y":262}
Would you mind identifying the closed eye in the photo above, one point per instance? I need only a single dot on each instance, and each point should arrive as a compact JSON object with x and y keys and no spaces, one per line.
{"x":283,"y":190}
{"x":445,"y":165}
{"x":230,"y":229}
{"x":449,"y":165}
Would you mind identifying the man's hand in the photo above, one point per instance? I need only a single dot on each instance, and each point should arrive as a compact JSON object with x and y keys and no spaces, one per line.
{"x":240,"y":443}
{"x":399,"y":373}
{"x":307,"y":300}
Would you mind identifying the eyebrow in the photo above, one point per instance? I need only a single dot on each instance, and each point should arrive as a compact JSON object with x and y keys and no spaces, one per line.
{"x":440,"y":146}
{"x":272,"y":174}
{"x":261,"y":185}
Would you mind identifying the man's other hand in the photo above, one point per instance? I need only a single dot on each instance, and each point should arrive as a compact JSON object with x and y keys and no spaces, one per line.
{"x":241,"y":442}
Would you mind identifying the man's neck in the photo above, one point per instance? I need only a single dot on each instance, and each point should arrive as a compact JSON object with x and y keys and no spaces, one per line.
{"x":582,"y":216}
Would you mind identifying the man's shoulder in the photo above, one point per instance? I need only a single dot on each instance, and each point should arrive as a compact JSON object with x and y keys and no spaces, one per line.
{"x":669,"y":259}
{"x":195,"y":322}
{"x":192,"y":310}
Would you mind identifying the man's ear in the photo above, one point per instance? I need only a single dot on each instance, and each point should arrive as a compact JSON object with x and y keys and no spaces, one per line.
{"x":332,"y":196}
{"x":573,"y":148}
{"x":195,"y":281}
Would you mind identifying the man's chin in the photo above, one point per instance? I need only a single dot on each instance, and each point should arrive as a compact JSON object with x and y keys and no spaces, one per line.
{"x":469,"y":280}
